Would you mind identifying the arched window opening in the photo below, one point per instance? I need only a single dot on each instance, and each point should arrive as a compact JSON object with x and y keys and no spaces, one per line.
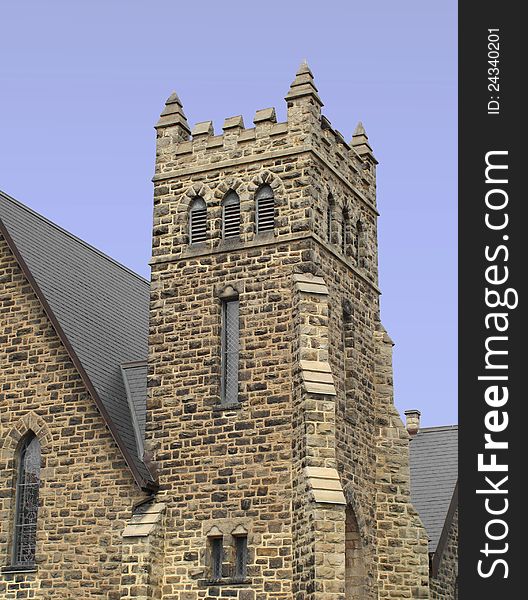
{"x":197,"y":221}
{"x":345,"y":232}
{"x":329,"y":218}
{"x":27,"y":501}
{"x":231,"y":216}
{"x":265,"y":209}
{"x":359,"y":242}
{"x":355,"y":571}
{"x":230,"y":350}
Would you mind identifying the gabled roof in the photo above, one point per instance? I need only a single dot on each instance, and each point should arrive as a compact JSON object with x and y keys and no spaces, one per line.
{"x":98,"y":307}
{"x":434,"y":474}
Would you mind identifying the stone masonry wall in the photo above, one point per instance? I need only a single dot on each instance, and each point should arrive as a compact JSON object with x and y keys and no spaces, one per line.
{"x":87,"y":490}
{"x":444,"y":582}
{"x":402,"y":539}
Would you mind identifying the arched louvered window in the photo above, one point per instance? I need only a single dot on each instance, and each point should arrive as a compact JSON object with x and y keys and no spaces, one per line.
{"x":198,"y":221}
{"x":329,"y":218}
{"x":27,"y":501}
{"x":265,"y":209}
{"x":231,"y":216}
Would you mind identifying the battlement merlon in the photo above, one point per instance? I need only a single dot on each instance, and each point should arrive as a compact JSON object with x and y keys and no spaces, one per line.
{"x":179,"y":148}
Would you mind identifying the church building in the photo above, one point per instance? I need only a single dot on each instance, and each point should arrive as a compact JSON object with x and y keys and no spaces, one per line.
{"x":226,"y":429}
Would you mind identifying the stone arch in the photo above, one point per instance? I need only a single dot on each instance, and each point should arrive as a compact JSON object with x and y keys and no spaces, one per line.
{"x":351,"y":500}
{"x":355,"y":559}
{"x":29,"y":422}
{"x":228,"y":184}
{"x":9,"y":452}
{"x":193,"y":192}
{"x":267,"y":178}
{"x":259,"y":180}
{"x":197,"y":189}
{"x":359,"y":543}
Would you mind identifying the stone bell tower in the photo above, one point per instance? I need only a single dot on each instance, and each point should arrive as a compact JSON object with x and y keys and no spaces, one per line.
{"x":282,"y":463}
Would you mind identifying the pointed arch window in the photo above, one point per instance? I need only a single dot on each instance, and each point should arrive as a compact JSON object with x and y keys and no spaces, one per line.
{"x":197,"y":221}
{"x":265,"y":209}
{"x":359,"y":242}
{"x":231,"y":216}
{"x":345,"y":226}
{"x":230,"y":350}
{"x":329,"y":218}
{"x":27,"y":501}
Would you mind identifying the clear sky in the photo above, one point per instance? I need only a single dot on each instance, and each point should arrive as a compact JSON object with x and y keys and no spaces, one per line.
{"x":83,"y":83}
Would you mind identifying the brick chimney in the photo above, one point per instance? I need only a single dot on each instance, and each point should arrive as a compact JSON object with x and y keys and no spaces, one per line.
{"x":412,"y":421}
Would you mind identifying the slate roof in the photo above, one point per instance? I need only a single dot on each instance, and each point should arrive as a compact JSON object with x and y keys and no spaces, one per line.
{"x":99,"y":307}
{"x":434,"y":474}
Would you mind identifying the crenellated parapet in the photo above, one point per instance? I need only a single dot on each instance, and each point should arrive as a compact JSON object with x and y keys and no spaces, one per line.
{"x":179,"y":147}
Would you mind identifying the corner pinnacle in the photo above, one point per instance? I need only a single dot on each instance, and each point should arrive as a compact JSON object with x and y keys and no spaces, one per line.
{"x":173,"y":115}
{"x":360,"y":130}
{"x":303,"y":84}
{"x":360,"y":141}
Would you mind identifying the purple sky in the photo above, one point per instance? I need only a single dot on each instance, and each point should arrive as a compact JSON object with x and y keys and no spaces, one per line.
{"x":83,"y":83}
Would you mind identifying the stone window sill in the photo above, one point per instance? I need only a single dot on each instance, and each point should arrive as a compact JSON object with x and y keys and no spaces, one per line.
{"x":19,"y":569}
{"x":225,"y":581}
{"x":227,"y":406}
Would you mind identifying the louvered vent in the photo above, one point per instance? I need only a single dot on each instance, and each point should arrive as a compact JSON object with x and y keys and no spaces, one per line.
{"x":198,"y":221}
{"x":231,"y":225}
{"x":265,"y":209}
